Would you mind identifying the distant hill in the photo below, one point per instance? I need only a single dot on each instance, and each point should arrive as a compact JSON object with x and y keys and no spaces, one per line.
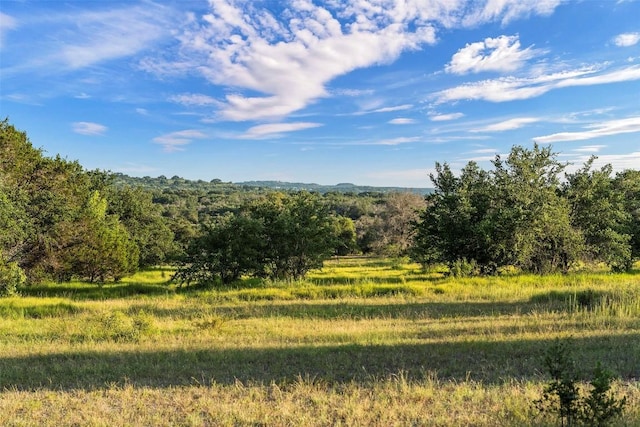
{"x":217,"y":185}
{"x":341,"y":188}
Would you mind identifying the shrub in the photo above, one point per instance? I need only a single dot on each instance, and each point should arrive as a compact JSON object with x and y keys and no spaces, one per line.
{"x":11,"y":276}
{"x":463,"y":268}
{"x":564,"y":397}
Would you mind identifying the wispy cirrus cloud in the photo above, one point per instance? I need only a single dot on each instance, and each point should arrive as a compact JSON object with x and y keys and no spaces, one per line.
{"x":619,"y":162}
{"x":111,"y":34}
{"x":175,"y":141}
{"x":73,"y":40}
{"x":89,"y":128}
{"x":502,"y":54}
{"x":190,"y":99}
{"x":518,"y":88}
{"x":387,"y":141}
{"x":509,"y":10}
{"x":276,"y":129}
{"x":598,"y":130}
{"x":589,"y":148}
{"x":390,"y":109}
{"x":445,"y":117}
{"x":7,"y":23}
{"x":279,"y":63}
{"x":626,"y":39}
{"x":506,"y":125}
{"x":401,"y":121}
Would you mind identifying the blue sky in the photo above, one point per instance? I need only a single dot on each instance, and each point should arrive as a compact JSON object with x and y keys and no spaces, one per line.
{"x":372,"y":92}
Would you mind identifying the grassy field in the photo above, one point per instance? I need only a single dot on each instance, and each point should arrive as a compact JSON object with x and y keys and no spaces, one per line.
{"x":361,"y":342}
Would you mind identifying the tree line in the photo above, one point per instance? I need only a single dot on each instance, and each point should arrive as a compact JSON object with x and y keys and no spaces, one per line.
{"x":529,"y":213}
{"x":61,"y":222}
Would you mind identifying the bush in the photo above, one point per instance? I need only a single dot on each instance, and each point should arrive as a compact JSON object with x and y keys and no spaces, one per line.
{"x":463,"y":268}
{"x":564,"y":397}
{"x":11,"y":276}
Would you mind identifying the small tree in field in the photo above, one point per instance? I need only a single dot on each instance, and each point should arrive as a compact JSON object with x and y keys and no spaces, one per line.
{"x":278,"y":237}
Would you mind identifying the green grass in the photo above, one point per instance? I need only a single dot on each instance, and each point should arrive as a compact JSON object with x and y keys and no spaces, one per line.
{"x":360,"y":342}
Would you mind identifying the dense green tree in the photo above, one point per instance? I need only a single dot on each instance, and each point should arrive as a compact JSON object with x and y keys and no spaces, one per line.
{"x":298,"y":234}
{"x":627,"y":186}
{"x":227,"y":249}
{"x":101,"y":248}
{"x":512,"y":215}
{"x":143,"y":220}
{"x":281,"y":236}
{"x":599,"y":211}
{"x":537,"y":217}
{"x":345,"y":232}
{"x":444,"y":226}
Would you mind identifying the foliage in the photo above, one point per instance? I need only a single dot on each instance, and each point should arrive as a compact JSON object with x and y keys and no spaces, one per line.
{"x":11,"y":277}
{"x":227,"y":249}
{"x":278,"y":237}
{"x":519,"y":214}
{"x":387,"y":229}
{"x":55,"y":219}
{"x":599,"y":211}
{"x":142,"y":218}
{"x":563,"y":396}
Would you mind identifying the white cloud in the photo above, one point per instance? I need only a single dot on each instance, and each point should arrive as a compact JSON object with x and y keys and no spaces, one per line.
{"x":175,"y":141}
{"x":506,"y":125}
{"x":589,"y":148}
{"x":500,"y":54}
{"x":618,"y":162}
{"x":509,"y":10}
{"x":280,"y":63}
{"x":627,"y":39}
{"x":142,"y":111}
{"x":514,"y":88}
{"x":613,"y":127}
{"x":7,"y":23}
{"x":388,"y":141}
{"x":352,"y":92}
{"x":401,"y":121}
{"x":372,"y":108}
{"x":190,"y":99}
{"x":274,"y":129}
{"x":111,"y":34}
{"x":89,"y":128}
{"x":446,"y":117}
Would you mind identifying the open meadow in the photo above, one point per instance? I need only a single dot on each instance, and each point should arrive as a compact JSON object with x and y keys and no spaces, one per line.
{"x":360,"y":342}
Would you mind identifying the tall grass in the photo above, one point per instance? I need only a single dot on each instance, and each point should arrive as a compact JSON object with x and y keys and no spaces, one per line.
{"x":360,"y":342}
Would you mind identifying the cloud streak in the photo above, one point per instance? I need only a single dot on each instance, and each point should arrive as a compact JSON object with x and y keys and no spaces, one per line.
{"x":609,"y":128}
{"x":89,"y":128}
{"x":176,"y":141}
{"x":7,"y":23}
{"x":276,"y":129}
{"x":507,"y":125}
{"x":516,"y":88}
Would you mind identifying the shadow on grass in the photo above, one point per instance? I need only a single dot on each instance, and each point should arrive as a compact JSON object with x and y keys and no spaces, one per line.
{"x":353,"y":311}
{"x":490,"y":362}
{"x":84,"y":291}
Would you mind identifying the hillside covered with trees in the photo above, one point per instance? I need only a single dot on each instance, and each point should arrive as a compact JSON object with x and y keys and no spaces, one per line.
{"x":61,"y":222}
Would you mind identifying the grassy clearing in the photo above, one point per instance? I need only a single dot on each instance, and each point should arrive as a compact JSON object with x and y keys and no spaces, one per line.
{"x":361,"y":342}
